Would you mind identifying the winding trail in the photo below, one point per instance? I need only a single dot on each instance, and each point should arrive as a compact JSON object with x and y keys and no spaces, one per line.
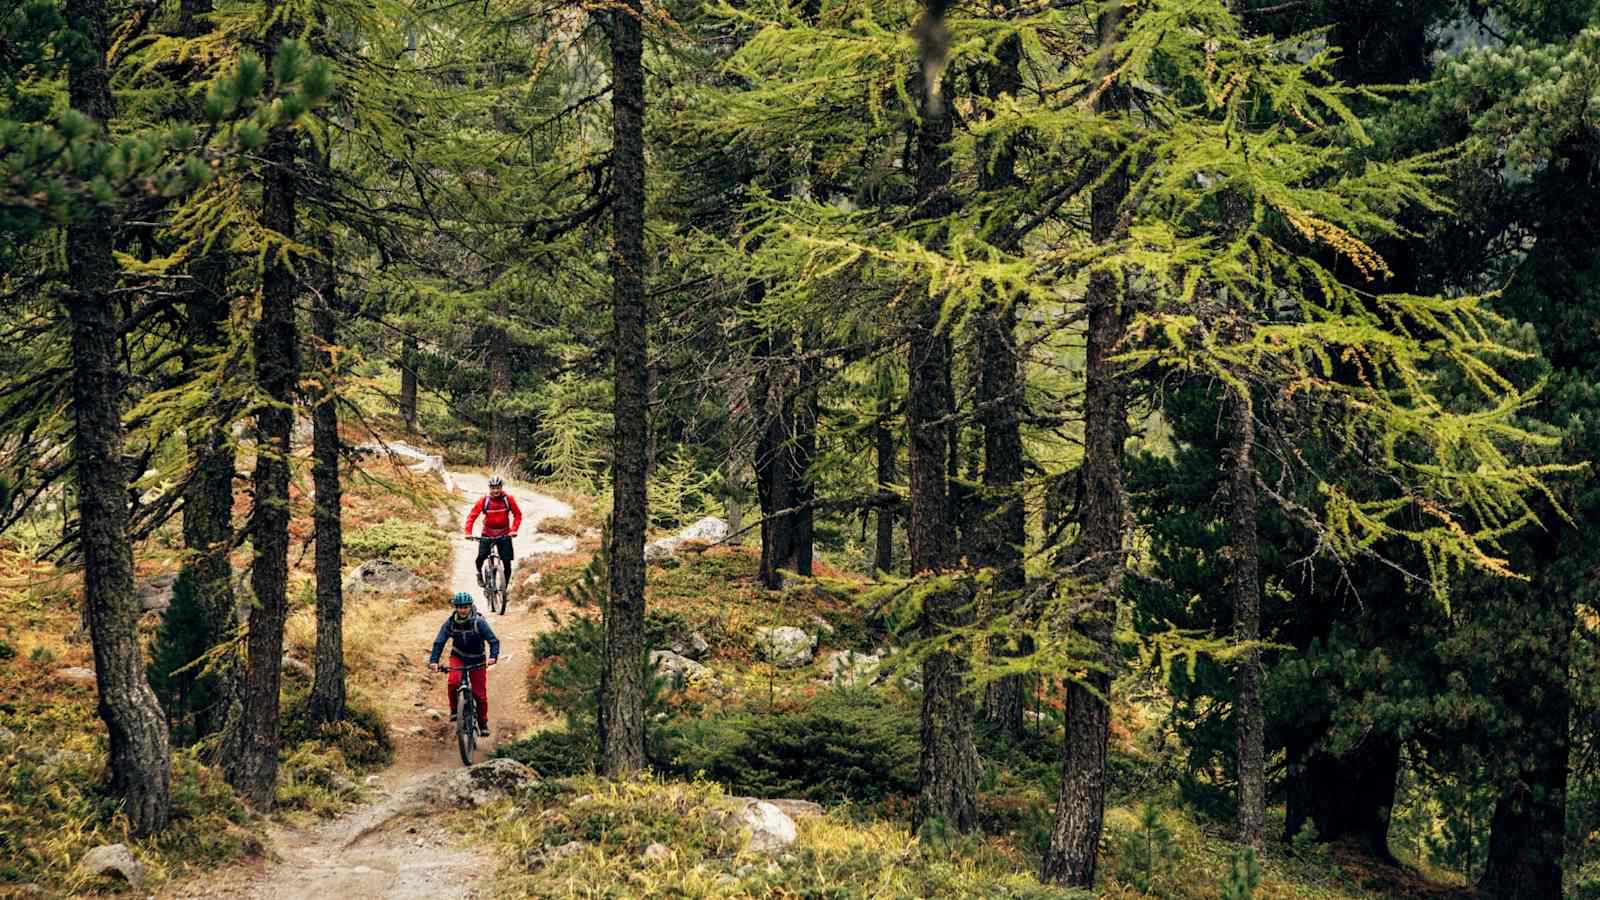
{"x":389,"y":847}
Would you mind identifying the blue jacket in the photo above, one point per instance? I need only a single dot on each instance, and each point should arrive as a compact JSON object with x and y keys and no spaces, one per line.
{"x":467,"y":641}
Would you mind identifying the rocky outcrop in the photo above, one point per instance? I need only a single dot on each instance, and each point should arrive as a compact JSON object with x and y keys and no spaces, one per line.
{"x":381,"y":578}
{"x":786,"y":647}
{"x":115,"y":861}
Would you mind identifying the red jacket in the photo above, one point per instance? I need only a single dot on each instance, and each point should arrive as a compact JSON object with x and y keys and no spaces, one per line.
{"x":501,"y":516}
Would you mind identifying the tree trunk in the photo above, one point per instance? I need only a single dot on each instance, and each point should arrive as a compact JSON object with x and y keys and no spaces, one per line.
{"x":1074,"y":853}
{"x":327,"y":687}
{"x":408,"y":382}
{"x":623,"y":693}
{"x":253,"y":770}
{"x":498,"y":450}
{"x":1250,"y":724}
{"x":948,"y":768}
{"x":1527,"y":837}
{"x":1000,"y":529}
{"x":1345,"y":798}
{"x":883,"y":440}
{"x":784,"y":452}
{"x":208,"y":494}
{"x":140,"y":759}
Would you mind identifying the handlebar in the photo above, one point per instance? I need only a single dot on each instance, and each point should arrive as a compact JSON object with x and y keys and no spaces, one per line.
{"x":479,"y":537}
{"x":483,"y":665}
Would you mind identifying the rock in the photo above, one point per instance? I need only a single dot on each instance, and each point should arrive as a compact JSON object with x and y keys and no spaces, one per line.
{"x":798,"y":809}
{"x":680,"y":669}
{"x":710,"y":529}
{"x":380,"y":577}
{"x":433,"y":714}
{"x":249,"y":842}
{"x":113,"y":859}
{"x":769,"y":828}
{"x":155,"y":592}
{"x":372,"y":781}
{"x":7,"y":736}
{"x":848,"y":667}
{"x":341,"y":784}
{"x":75,"y":675}
{"x":822,"y":626}
{"x":661,"y":550}
{"x":472,"y":786}
{"x":547,"y":544}
{"x":554,"y":854}
{"x":657,"y":852}
{"x":692,"y":645}
{"x":292,"y":666}
{"x":786,"y":647}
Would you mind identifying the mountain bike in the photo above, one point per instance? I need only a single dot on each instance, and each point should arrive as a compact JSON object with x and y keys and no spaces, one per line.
{"x":466,"y":711}
{"x":493,"y":576}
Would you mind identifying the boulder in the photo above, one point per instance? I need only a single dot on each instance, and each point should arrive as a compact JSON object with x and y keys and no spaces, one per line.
{"x":75,"y":675}
{"x":295,"y":667}
{"x":767,"y":827}
{"x":848,"y":667}
{"x":547,"y":544}
{"x":657,"y":852}
{"x":794,"y":809}
{"x":661,"y":550}
{"x":472,"y":786}
{"x":381,"y":578}
{"x":680,"y":669}
{"x":692,"y":645}
{"x":114,"y":860}
{"x":786,"y":647}
{"x":155,"y":592}
{"x":710,"y":530}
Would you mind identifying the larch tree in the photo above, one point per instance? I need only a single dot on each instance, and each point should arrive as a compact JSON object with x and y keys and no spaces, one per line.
{"x":141,"y":760}
{"x":622,"y":697}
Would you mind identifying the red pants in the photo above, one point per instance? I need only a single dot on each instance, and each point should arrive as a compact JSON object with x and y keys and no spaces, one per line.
{"x":480,"y":688}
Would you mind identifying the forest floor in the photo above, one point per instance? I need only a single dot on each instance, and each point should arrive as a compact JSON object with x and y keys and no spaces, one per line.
{"x":389,"y":847}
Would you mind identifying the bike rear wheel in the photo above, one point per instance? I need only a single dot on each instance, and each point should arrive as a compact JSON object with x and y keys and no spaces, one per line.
{"x":466,"y":726}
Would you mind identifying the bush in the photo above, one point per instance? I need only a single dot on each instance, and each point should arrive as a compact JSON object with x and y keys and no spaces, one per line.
{"x":190,"y":697}
{"x":361,"y":738}
{"x":847,"y":744}
{"x":410,"y":544}
{"x":555,"y":754}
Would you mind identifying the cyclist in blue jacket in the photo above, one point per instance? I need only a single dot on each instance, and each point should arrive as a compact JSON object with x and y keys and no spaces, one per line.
{"x":467,"y":633}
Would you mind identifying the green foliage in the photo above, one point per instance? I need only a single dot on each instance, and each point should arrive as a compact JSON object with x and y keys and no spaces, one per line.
{"x":557,"y":753}
{"x":361,"y":739}
{"x":408,"y":543}
{"x":1244,"y":876}
{"x":679,"y":491}
{"x":846,"y":744}
{"x":1147,"y":856}
{"x":177,"y":671}
{"x":572,"y":448}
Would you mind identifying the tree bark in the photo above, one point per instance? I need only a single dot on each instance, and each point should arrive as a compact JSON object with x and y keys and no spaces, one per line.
{"x":1250,"y":724}
{"x":253,"y":769}
{"x":140,"y":759}
{"x":999,"y":531}
{"x":1527,"y":836}
{"x":623,"y":692}
{"x":327,"y":699}
{"x":1346,"y":798}
{"x":883,"y":441}
{"x":1074,"y":853}
{"x":498,"y":451}
{"x":948,"y":766}
{"x":208,"y":495}
{"x":408,"y":382}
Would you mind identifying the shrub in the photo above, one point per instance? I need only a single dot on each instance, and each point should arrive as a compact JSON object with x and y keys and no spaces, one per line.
{"x":361,"y":738}
{"x":555,"y":753}
{"x":847,"y":744}
{"x":410,"y":544}
{"x":189,"y":695}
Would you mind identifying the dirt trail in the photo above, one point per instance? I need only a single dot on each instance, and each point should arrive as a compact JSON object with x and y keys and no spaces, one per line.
{"x":382,"y":848}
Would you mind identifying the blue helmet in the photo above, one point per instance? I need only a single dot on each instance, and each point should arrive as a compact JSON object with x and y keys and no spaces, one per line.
{"x":462,"y":598}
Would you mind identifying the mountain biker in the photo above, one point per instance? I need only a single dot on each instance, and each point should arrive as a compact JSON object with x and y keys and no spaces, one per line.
{"x":502,"y":518}
{"x":467,"y":632}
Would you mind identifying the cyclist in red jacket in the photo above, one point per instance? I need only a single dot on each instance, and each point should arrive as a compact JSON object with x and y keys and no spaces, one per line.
{"x":502,"y":518}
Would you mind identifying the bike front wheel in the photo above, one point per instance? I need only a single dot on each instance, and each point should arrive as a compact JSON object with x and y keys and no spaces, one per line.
{"x":466,"y":727}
